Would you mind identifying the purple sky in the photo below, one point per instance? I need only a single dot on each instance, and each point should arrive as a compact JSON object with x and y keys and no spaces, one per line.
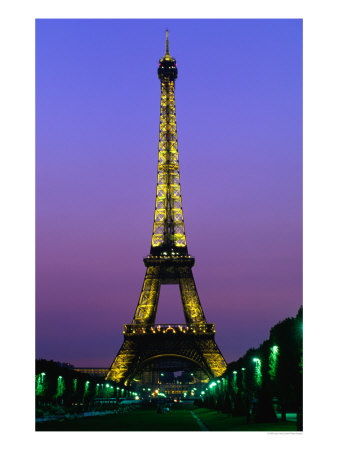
{"x":239,"y":120}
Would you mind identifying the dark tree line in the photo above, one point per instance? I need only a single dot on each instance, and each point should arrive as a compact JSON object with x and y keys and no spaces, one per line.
{"x":59,"y":385}
{"x":264,"y":379}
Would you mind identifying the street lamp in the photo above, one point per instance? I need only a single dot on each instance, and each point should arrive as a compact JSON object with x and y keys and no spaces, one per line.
{"x":243,"y":376}
{"x":273,"y":360}
{"x":234,"y":381}
{"x":258,"y":371}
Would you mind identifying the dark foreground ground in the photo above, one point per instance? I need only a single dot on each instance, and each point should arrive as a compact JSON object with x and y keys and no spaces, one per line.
{"x":175,"y":420}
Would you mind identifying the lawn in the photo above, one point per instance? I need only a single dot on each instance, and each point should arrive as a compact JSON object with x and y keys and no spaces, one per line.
{"x":138,"y":420}
{"x":223,"y":422}
{"x":175,"y":420}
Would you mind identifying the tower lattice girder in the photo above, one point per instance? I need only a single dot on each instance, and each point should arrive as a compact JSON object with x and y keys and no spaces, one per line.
{"x":167,"y":263}
{"x":168,"y":226}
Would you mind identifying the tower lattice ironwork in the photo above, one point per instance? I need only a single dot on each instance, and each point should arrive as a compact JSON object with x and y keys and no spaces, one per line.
{"x":168,"y":263}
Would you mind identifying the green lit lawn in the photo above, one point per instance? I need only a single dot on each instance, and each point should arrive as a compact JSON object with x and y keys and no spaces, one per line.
{"x":139,"y":420}
{"x":222,"y":422}
{"x":175,"y":420}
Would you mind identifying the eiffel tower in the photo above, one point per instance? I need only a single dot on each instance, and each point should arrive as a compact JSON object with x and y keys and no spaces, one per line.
{"x":168,"y":263}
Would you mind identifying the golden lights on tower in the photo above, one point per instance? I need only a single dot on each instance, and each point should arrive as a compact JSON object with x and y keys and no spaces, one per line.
{"x":168,"y":263}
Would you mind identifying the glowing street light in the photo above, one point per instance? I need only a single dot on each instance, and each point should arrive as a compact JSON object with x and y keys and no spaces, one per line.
{"x":243,"y":369}
{"x":234,"y":381}
{"x":257,"y":361}
{"x":273,"y":361}
{"x":60,"y":387}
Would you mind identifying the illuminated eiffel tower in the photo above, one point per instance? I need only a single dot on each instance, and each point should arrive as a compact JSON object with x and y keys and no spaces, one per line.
{"x":167,"y":263}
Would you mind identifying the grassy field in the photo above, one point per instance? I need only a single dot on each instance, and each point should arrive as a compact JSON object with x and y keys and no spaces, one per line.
{"x":138,"y":420}
{"x":223,"y":422}
{"x":150,"y":420}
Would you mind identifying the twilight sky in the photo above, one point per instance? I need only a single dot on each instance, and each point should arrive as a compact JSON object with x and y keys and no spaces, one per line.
{"x":239,"y":121}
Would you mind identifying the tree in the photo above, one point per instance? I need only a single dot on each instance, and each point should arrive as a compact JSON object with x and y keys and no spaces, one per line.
{"x":264,"y":409}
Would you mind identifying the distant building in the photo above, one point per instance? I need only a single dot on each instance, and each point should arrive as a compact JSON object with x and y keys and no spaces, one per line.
{"x":94,"y":371}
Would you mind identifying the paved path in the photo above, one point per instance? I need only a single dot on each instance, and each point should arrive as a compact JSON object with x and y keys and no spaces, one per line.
{"x":199,"y":421}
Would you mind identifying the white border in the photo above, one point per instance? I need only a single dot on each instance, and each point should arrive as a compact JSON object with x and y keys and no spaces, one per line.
{"x":17,"y":223}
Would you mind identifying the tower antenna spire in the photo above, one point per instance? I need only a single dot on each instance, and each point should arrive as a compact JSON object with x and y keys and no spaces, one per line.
{"x":166,"y":43}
